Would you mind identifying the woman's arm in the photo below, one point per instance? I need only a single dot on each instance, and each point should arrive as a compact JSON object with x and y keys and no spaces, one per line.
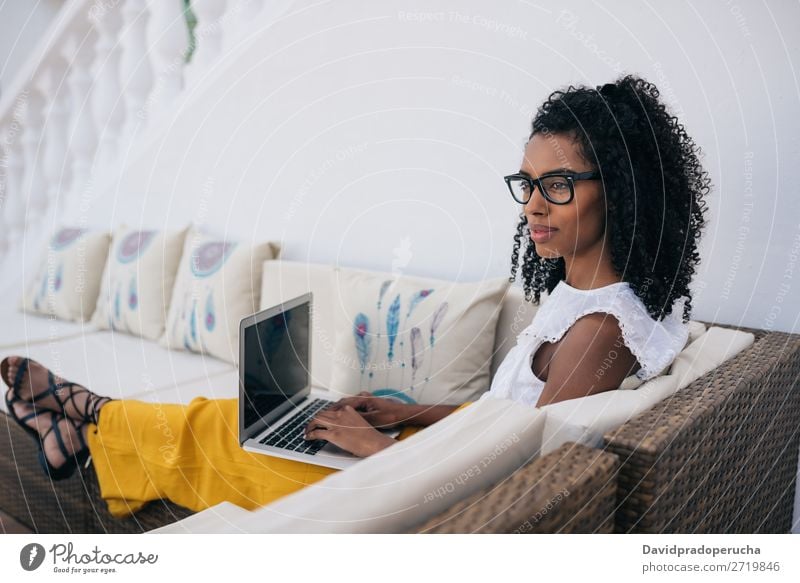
{"x":385,"y":413}
{"x":424,"y":415}
{"x":591,"y":358}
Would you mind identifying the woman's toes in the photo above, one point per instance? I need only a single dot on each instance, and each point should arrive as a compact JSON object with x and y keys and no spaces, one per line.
{"x":12,"y":373}
{"x":34,"y":383}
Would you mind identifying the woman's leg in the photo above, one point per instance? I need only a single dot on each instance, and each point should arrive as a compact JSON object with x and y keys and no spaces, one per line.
{"x":189,"y":454}
{"x":146,"y":451}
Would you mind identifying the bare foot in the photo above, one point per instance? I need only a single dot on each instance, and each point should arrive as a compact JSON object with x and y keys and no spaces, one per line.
{"x":70,"y":400}
{"x":73,"y":435}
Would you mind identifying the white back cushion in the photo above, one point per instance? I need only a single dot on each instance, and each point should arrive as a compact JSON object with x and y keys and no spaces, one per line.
{"x":284,"y":280}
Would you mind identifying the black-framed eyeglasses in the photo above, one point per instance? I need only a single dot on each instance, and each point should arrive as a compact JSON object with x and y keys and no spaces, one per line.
{"x":558,"y":188}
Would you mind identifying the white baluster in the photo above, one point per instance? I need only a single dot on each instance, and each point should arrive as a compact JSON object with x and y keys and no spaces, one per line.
{"x":136,"y":76}
{"x":4,"y":238}
{"x":55,"y":157}
{"x":4,"y":152}
{"x":107,"y":108}
{"x":12,"y":204}
{"x":81,"y":138}
{"x":168,"y":37}
{"x":244,"y":14}
{"x":208,"y":36}
{"x":33,"y":188}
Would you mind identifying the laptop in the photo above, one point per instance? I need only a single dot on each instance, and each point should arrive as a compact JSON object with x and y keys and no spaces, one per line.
{"x":276,"y":399}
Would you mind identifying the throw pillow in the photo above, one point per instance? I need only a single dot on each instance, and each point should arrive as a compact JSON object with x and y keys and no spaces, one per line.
{"x":67,"y":281}
{"x":218,"y":284}
{"x":138,"y":280}
{"x":415,"y":339}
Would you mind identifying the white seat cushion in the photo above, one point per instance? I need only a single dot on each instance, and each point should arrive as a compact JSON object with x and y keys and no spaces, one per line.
{"x":222,"y":385}
{"x":120,"y":365}
{"x":21,"y":329}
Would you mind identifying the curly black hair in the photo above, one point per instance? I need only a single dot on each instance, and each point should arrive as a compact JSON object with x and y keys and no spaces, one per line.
{"x":653,"y":182}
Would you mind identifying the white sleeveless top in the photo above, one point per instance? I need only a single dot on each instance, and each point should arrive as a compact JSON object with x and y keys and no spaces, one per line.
{"x":655,"y":344}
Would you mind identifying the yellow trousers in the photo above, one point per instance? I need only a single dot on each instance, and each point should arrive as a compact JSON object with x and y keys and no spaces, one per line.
{"x":189,"y":454}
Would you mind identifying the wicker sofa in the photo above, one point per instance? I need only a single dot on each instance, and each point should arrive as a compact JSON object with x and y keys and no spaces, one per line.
{"x":718,"y":456}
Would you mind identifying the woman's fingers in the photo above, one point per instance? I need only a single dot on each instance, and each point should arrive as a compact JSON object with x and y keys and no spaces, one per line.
{"x":346,"y":429}
{"x":317,"y":429}
{"x":328,"y":421}
{"x":354,"y":402}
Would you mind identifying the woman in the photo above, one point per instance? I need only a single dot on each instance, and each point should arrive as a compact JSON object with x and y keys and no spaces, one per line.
{"x":611,"y":193}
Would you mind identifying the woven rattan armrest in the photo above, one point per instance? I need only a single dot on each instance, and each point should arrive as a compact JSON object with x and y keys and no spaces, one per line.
{"x":720,"y":455}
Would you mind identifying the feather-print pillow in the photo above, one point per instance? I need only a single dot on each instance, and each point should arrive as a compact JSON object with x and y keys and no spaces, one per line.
{"x":67,"y":282}
{"x":415,"y":339}
{"x":138,"y":280}
{"x":218,"y":284}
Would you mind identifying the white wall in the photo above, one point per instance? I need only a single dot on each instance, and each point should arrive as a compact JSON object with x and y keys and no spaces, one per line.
{"x":377,"y":133}
{"x":23,"y":24}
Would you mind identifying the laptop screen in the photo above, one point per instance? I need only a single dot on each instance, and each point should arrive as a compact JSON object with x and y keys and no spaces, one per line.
{"x":276,"y":366}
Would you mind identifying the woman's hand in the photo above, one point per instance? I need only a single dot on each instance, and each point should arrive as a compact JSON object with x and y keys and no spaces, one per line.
{"x":379,"y":411}
{"x":346,"y":428}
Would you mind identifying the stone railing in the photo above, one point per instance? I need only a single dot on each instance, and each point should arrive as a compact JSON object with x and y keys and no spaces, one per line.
{"x":100,"y":80}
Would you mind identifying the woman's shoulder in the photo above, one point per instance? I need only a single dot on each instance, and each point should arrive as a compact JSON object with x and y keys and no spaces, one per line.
{"x":655,"y":343}
{"x":564,"y":305}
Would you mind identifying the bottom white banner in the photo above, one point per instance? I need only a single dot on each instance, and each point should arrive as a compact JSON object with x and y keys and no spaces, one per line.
{"x":349,"y":558}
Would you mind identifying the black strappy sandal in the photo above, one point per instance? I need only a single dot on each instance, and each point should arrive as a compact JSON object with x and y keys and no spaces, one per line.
{"x":22,"y":421}
{"x":91,"y":405}
{"x":72,"y":460}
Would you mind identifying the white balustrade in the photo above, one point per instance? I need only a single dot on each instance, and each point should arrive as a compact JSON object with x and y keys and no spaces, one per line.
{"x":208,"y":36}
{"x":4,"y":180}
{"x":81,"y":138}
{"x":168,"y":38}
{"x":92,"y":85}
{"x":4,"y":153}
{"x":55,"y":155}
{"x":108,"y":110}
{"x":136,"y":76}
{"x":13,"y":205}
{"x":32,"y":195}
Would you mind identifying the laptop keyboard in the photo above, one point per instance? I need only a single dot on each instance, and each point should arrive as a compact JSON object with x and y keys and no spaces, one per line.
{"x":290,"y":434}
